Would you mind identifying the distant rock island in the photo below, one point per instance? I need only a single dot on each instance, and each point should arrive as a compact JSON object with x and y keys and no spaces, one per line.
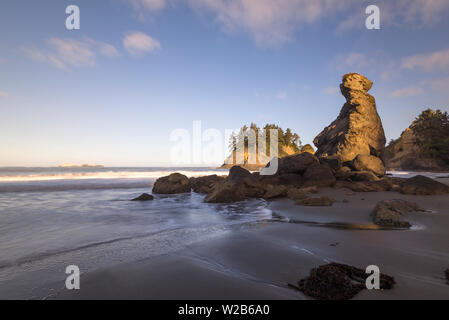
{"x":85,"y":165}
{"x":424,"y":146}
{"x":289,"y":143}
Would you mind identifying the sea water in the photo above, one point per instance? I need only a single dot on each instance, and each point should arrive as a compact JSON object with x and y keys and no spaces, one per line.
{"x":53,"y":217}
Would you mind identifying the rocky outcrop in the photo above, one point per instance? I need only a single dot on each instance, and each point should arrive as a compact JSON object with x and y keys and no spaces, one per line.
{"x":144,"y":197}
{"x":172,"y":184}
{"x":273,"y":192}
{"x":389,"y":213}
{"x":297,"y":163}
{"x":204,"y":185}
{"x":358,"y":129}
{"x":320,"y":176}
{"x":421,"y":185}
{"x":366,"y":162}
{"x":423,"y":146}
{"x":225,"y":192}
{"x":335,"y":281}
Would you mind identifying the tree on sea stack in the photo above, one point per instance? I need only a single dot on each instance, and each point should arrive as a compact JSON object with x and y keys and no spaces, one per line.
{"x":358,"y":129}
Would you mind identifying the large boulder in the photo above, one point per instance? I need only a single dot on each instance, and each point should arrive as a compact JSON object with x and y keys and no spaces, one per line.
{"x":334,"y":162}
{"x":421,"y":185}
{"x":363,"y":176}
{"x":204,"y":184}
{"x":366,"y":162}
{"x":297,"y":163}
{"x":273,"y":191}
{"x":320,"y":176}
{"x":389,"y":213}
{"x":238,"y":174}
{"x":174,"y":183}
{"x":225,"y":192}
{"x":358,"y":128}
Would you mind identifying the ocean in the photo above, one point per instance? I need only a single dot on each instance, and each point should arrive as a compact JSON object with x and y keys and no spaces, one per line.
{"x":54,"y":217}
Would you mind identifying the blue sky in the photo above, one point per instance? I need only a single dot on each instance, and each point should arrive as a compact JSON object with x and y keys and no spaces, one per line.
{"x":112,"y":92}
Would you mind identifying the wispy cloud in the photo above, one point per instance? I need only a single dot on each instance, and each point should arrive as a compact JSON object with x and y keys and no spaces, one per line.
{"x":407,"y":92}
{"x":272,"y":23}
{"x":142,"y":7}
{"x":3,"y":94}
{"x":139,"y":43}
{"x":434,"y":61}
{"x":331,"y":90}
{"x":63,"y":53}
{"x":439,"y":85}
{"x":282,"y":95}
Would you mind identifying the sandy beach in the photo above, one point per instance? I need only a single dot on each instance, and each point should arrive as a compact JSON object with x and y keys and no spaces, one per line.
{"x":258,"y":261}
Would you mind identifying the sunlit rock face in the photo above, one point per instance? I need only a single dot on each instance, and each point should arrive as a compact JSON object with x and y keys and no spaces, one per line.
{"x":358,"y":129}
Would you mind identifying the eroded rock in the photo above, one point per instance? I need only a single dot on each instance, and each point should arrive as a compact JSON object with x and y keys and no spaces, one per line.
{"x":389,"y":213}
{"x":358,"y":128}
{"x":421,"y":185}
{"x":172,"y":184}
{"x":144,"y":197}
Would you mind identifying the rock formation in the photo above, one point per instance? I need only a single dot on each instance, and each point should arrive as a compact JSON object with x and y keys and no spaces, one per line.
{"x":389,"y":213}
{"x":358,"y":130}
{"x":144,"y":197}
{"x":424,"y":146}
{"x":174,"y":183}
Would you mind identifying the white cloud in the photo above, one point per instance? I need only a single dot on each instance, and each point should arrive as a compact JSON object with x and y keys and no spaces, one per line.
{"x":3,"y":94}
{"x":273,"y":22}
{"x":139,"y":42}
{"x":63,"y":53}
{"x":435,"y":61}
{"x":407,"y":92}
{"x":268,"y":22}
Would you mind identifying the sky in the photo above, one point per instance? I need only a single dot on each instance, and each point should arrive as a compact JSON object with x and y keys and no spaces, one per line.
{"x":113,"y":91}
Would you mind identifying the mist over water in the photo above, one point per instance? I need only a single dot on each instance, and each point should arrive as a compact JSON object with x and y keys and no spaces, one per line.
{"x":49,"y":222}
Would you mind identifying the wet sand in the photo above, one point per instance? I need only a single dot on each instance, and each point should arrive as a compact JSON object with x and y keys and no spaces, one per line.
{"x":258,"y":261}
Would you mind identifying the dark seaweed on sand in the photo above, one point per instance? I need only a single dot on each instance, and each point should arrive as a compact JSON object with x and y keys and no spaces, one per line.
{"x":335,"y":281}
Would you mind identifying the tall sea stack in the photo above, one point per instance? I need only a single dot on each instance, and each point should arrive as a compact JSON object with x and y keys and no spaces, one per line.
{"x":357,"y":132}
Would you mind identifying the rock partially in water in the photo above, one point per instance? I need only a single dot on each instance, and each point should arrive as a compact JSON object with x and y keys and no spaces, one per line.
{"x":316,"y":202}
{"x":273,"y":192}
{"x":225,"y":192}
{"x":389,"y":213}
{"x":204,"y":185}
{"x":172,"y":184}
{"x":421,"y":185}
{"x":335,"y":281}
{"x":144,"y":197}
